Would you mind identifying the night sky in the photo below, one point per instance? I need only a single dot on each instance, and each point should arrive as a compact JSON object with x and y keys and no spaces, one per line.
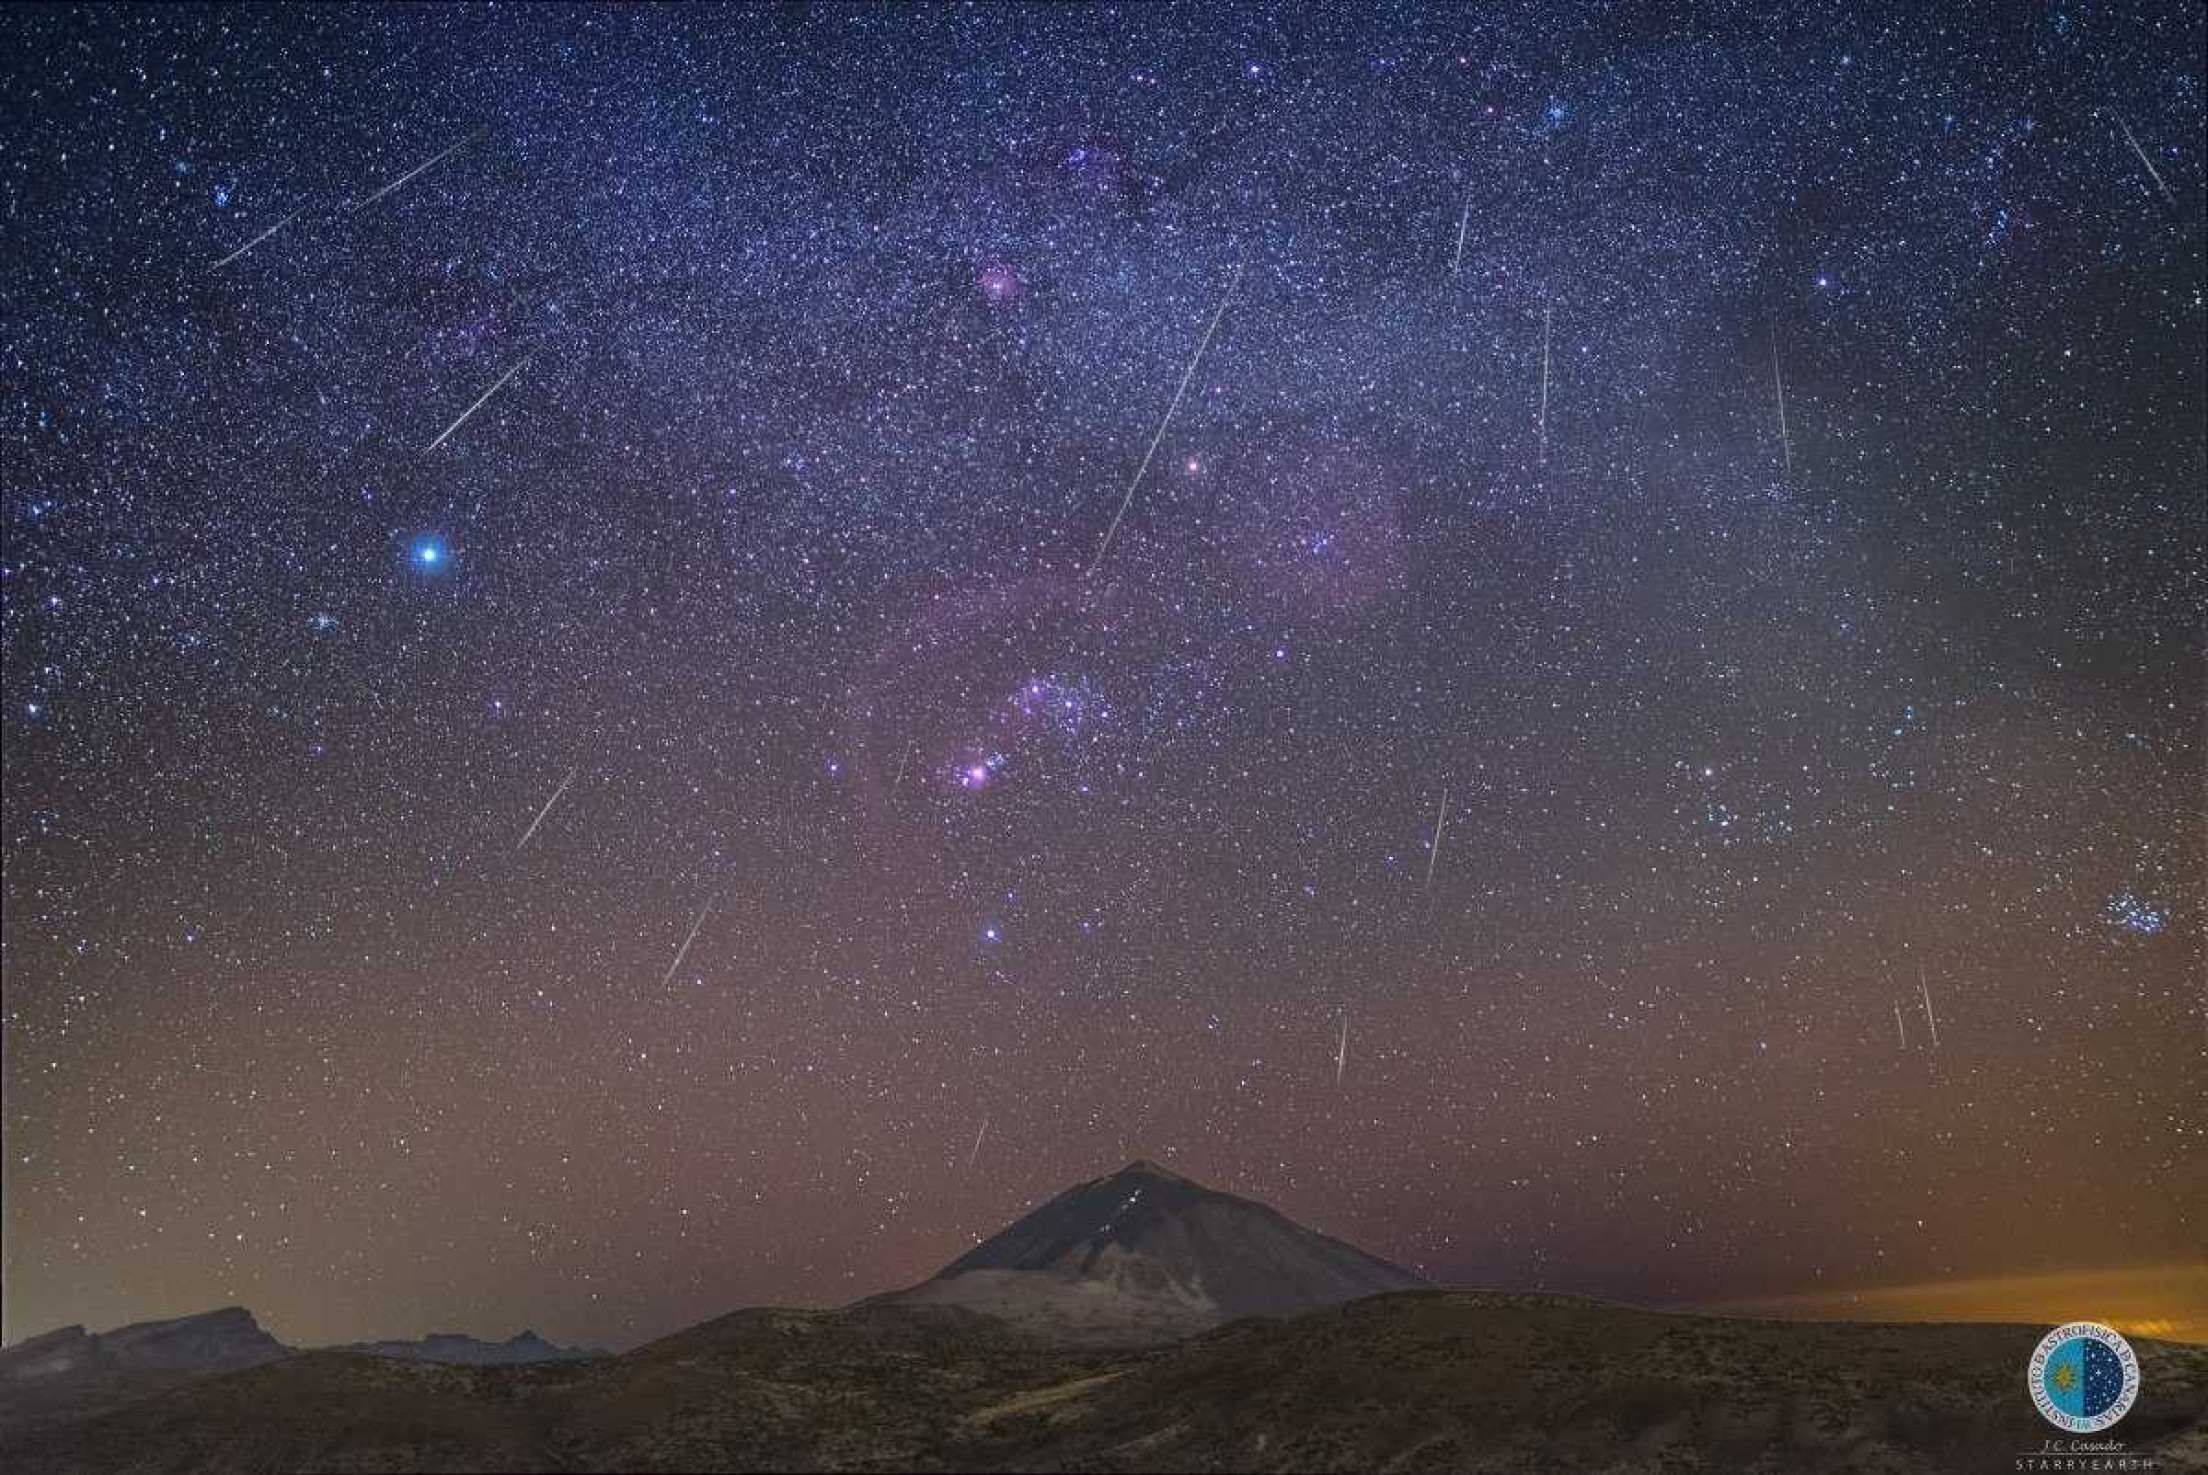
{"x":892,"y":812}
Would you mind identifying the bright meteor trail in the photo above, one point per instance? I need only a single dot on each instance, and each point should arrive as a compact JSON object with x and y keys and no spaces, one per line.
{"x":427,"y":163}
{"x":684,"y":951}
{"x":525,"y":834}
{"x":1186,"y":374}
{"x":264,"y":235}
{"x":480,"y":402}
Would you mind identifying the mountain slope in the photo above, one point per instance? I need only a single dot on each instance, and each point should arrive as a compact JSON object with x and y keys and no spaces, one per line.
{"x":461,"y":1350}
{"x":1439,"y":1381}
{"x":1147,"y":1255}
{"x":70,"y":1372}
{"x":211,"y":1341}
{"x":1515,"y":1384}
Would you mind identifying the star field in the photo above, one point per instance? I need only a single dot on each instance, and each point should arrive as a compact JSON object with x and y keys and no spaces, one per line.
{"x":564,"y":754}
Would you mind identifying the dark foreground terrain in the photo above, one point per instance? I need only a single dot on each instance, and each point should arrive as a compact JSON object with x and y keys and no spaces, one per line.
{"x":1424,"y":1380}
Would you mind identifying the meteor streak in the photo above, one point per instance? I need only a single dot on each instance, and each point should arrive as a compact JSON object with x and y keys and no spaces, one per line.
{"x":684,"y":951}
{"x":1433,"y":851}
{"x":470,"y":410}
{"x":264,"y":235}
{"x":2152,"y":172}
{"x":1786,"y":446}
{"x":525,"y":834}
{"x":427,"y":163}
{"x":1186,"y":375}
{"x":1546,"y":311}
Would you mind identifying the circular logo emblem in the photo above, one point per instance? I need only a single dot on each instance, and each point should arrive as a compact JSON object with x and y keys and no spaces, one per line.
{"x":2083,"y":1377}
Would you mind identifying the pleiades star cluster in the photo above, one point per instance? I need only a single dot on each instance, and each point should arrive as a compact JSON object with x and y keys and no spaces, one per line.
{"x":667,"y":658}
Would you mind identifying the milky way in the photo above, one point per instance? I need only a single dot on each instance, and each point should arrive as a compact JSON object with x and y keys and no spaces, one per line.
{"x":694,"y":468}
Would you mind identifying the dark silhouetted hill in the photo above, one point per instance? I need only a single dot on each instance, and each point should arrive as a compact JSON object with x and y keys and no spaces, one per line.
{"x":1439,"y":1381}
{"x":1146,"y":1255}
{"x":461,"y":1350}
{"x":1088,"y":1336}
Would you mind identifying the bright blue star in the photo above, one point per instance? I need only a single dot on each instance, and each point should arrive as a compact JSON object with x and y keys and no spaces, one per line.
{"x":429,"y":553}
